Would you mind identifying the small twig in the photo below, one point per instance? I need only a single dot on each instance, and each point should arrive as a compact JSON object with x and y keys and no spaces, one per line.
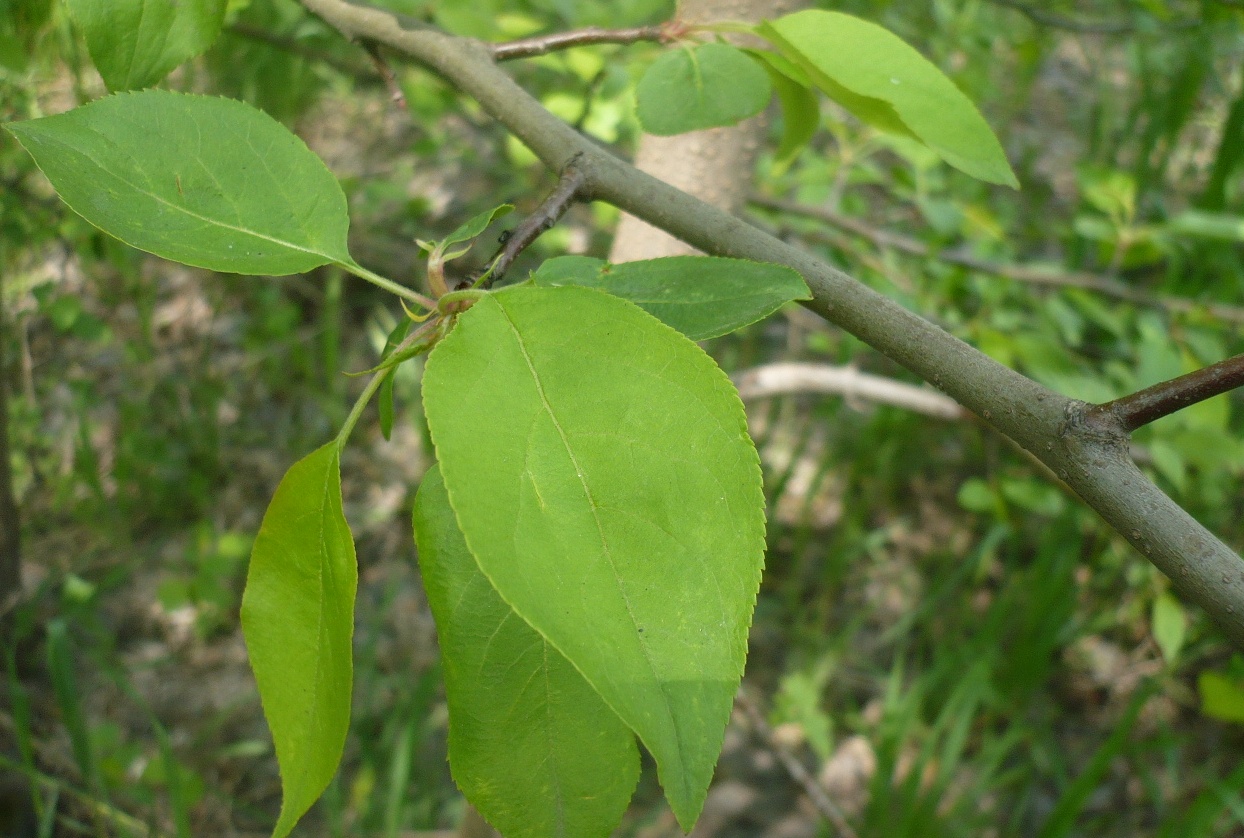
{"x":293,"y":47}
{"x":787,"y":379}
{"x":543,"y":44}
{"x":1040,"y":16}
{"x":1152,"y":403}
{"x":820,"y":799}
{"x":1020,"y":273}
{"x":545,"y":216}
{"x":386,"y":72}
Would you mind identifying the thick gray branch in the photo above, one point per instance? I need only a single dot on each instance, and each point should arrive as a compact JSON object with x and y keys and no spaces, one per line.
{"x":1092,"y":460}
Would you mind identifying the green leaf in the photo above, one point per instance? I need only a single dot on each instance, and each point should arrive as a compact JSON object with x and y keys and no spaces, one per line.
{"x":476,"y":225}
{"x":701,"y":296}
{"x":298,"y":618}
{"x":225,"y":187}
{"x":531,"y":744}
{"x":1222,"y":698}
{"x":1209,"y":225}
{"x":801,"y":116}
{"x":1170,"y":626}
{"x":885,"y":82}
{"x":135,"y":43}
{"x":602,"y":475}
{"x":702,"y":87}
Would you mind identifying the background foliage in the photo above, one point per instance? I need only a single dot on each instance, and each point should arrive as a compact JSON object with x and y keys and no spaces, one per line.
{"x":953,"y":645}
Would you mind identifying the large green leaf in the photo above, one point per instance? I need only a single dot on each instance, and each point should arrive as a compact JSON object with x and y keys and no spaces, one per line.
{"x":298,"y":618}
{"x":601,"y":472}
{"x":210,"y":182}
{"x":531,"y":744}
{"x":701,"y":296}
{"x":135,"y":43}
{"x":884,"y":81}
{"x":702,"y":87}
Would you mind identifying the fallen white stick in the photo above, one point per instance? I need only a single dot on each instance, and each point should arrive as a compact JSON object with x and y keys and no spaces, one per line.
{"x":790,"y":379}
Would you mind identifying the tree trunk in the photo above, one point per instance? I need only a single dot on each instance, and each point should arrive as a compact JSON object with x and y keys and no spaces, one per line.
{"x":715,"y":165}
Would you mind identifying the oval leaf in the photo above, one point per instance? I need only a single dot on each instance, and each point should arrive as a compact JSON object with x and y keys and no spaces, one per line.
{"x":705,"y":87}
{"x":531,"y":744}
{"x":135,"y":43}
{"x":226,"y":188}
{"x":298,"y":618}
{"x":701,"y":296}
{"x":600,"y":469}
{"x":879,"y":77}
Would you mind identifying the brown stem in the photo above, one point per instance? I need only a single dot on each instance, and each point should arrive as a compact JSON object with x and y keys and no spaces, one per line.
{"x":796,"y":769}
{"x":546,"y":215}
{"x":386,"y":73}
{"x":543,"y":44}
{"x":293,"y":47}
{"x":1038,"y":15}
{"x":1152,"y":403}
{"x":1033,"y":274}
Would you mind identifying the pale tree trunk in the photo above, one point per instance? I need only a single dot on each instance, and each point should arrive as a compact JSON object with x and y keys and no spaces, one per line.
{"x":714,"y":165}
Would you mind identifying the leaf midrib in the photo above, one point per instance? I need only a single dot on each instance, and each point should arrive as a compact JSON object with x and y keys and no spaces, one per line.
{"x":561,"y":433}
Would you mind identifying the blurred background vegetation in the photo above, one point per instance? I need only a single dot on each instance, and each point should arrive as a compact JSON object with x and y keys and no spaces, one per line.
{"x":946,"y":640}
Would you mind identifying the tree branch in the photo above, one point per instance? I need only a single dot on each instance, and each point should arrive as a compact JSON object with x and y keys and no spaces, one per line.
{"x":546,"y":215}
{"x":816,"y":793}
{"x":1152,"y":403}
{"x":1038,"y":15}
{"x":543,"y":44}
{"x":386,"y":73}
{"x":1091,"y":457}
{"x":1032,"y":274}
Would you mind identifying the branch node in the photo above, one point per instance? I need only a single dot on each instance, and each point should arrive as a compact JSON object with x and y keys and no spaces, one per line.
{"x":1163,"y":399}
{"x":568,"y":190}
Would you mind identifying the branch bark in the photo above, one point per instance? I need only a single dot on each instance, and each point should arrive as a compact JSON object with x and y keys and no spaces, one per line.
{"x":1090,"y":457}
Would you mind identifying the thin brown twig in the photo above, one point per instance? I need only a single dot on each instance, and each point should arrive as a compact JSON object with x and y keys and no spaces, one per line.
{"x":1031,"y":274}
{"x":546,"y":215}
{"x":386,"y":73}
{"x":800,"y":774}
{"x":589,"y":36}
{"x":1038,"y":15}
{"x":252,"y":33}
{"x":1152,"y":403}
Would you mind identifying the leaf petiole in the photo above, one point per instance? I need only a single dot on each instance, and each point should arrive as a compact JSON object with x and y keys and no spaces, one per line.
{"x":355,"y":412}
{"x":388,"y":285}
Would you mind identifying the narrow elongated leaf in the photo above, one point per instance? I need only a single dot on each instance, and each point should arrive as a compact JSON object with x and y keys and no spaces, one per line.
{"x":884,"y":81}
{"x":801,"y":111}
{"x":599,"y":466}
{"x":298,"y":618}
{"x":702,"y":87}
{"x":210,"y":182}
{"x":476,"y":225}
{"x":531,"y":744}
{"x":135,"y":43}
{"x":701,"y":296}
